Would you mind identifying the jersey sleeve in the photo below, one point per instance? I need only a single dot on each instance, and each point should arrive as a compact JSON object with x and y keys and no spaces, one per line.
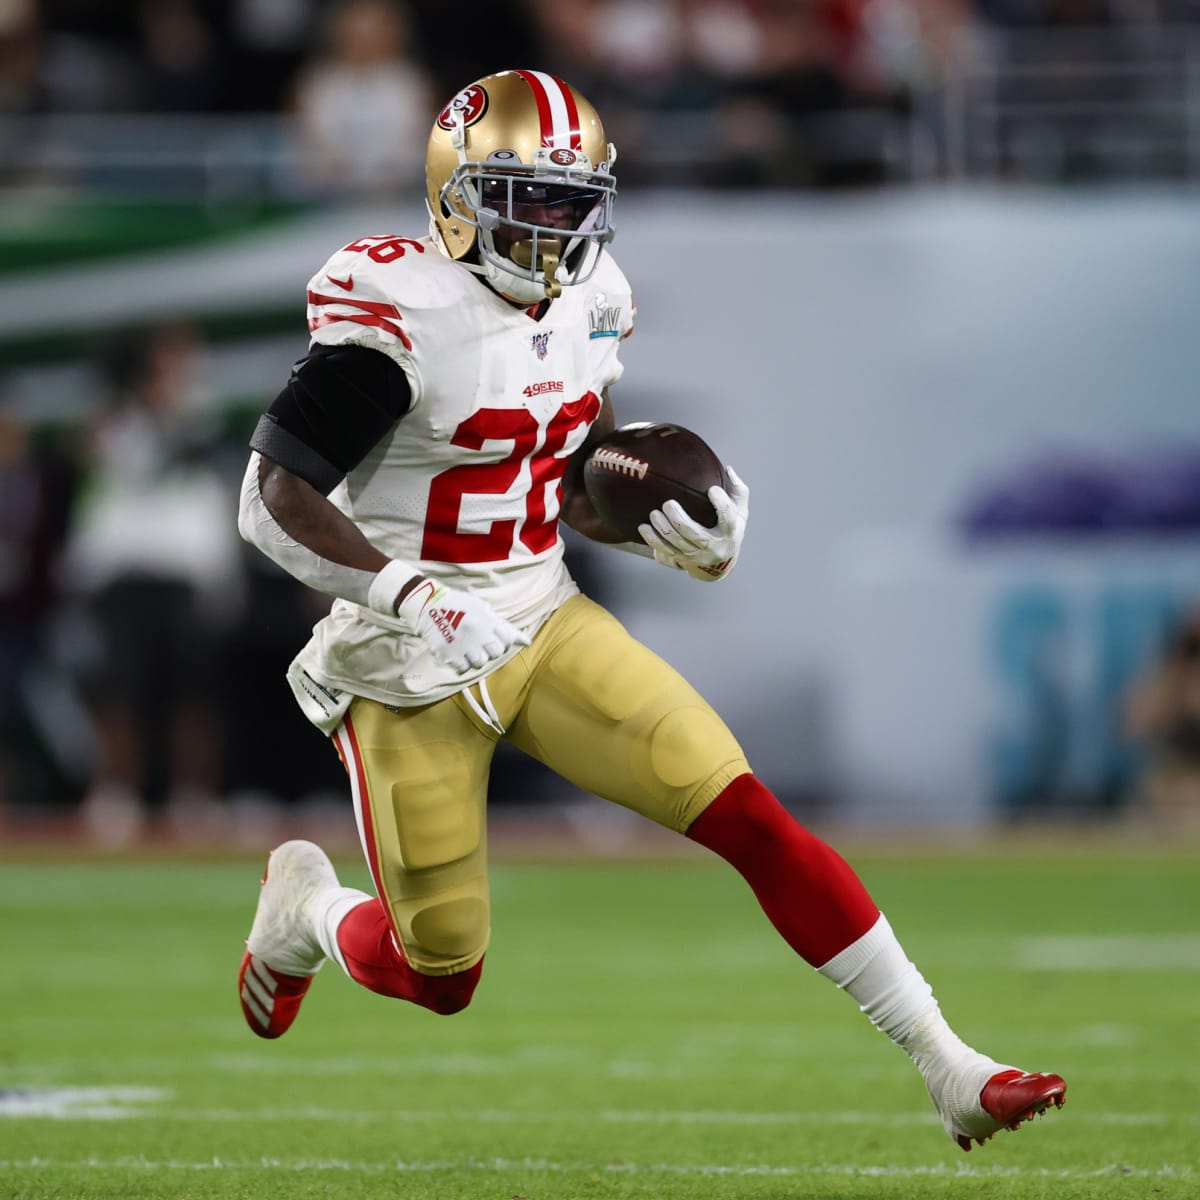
{"x":350,"y":303}
{"x":611,"y":318}
{"x":336,"y":405}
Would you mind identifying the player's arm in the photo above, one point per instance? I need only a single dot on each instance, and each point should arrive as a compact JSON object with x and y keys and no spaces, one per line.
{"x":338,"y":404}
{"x":577,"y":510}
{"x":307,"y":516}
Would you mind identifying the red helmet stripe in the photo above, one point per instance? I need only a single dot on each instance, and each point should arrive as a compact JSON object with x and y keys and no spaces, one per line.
{"x":557,"y":110}
{"x":543,"y":105}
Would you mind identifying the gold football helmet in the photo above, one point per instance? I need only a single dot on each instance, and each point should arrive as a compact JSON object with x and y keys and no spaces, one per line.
{"x":518,"y":170}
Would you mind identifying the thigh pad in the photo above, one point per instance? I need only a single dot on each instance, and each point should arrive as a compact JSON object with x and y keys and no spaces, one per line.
{"x":421,"y":792}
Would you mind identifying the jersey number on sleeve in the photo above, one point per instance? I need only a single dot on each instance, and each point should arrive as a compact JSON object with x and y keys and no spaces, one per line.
{"x":385,"y":249}
{"x":443,"y":542}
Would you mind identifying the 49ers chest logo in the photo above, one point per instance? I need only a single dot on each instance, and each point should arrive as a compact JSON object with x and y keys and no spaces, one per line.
{"x":472,"y":102}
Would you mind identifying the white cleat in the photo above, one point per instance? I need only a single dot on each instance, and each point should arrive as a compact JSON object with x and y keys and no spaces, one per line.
{"x":282,"y":952}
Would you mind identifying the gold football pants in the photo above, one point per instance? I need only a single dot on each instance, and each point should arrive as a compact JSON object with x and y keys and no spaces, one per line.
{"x":586,"y":699}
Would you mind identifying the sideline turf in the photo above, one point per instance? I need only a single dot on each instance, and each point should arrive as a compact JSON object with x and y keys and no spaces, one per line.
{"x":640,"y":1032}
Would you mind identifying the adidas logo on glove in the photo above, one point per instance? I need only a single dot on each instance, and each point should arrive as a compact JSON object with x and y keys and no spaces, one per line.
{"x":446,"y":621}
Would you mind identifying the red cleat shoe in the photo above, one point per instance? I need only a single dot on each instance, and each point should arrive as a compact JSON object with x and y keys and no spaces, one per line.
{"x":270,"y":999}
{"x":1013,"y":1096}
{"x":282,"y":952}
{"x":979,"y":1096}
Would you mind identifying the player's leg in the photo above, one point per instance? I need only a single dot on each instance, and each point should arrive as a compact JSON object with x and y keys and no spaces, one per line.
{"x":418,"y":779}
{"x":974,"y":1095}
{"x":605,"y":712}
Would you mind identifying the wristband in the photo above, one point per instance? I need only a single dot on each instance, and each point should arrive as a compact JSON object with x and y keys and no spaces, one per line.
{"x":385,"y":587}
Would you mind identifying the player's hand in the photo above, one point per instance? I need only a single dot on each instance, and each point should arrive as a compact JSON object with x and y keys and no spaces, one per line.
{"x":462,"y":630}
{"x":707,"y":554}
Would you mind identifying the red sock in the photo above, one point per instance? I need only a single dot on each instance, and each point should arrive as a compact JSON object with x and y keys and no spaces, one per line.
{"x":374,"y":960}
{"x":806,"y":888}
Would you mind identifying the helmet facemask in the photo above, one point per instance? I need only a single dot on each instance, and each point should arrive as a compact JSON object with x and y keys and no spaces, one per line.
{"x":539,"y":226}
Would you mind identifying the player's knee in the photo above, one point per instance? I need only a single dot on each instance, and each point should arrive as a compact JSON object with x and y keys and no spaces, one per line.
{"x":686,"y":745}
{"x":448,"y":930}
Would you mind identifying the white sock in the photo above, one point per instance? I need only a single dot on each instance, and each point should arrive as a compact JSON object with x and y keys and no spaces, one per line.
{"x":328,"y":911}
{"x":888,"y":987}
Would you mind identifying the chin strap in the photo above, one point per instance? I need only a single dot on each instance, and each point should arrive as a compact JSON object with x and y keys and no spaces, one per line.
{"x":493,"y":274}
{"x":550,"y":274}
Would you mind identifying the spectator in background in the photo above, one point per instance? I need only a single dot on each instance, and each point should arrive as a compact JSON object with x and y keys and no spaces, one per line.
{"x":915,"y":45}
{"x":364,"y":103}
{"x":90,"y":60}
{"x":155,"y":563}
{"x":754,"y":92}
{"x":20,"y":57}
{"x":466,"y":39}
{"x":37,"y":488}
{"x":766,"y":122}
{"x":1163,"y":712}
{"x":181,"y":60}
{"x":913,"y":50}
{"x":267,"y":41}
{"x":645,"y":58}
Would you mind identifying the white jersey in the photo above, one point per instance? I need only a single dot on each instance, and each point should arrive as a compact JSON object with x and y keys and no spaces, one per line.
{"x":466,"y":486}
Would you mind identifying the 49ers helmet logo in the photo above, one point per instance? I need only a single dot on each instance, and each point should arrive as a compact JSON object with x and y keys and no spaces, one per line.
{"x":564,"y":158}
{"x":472,"y":102}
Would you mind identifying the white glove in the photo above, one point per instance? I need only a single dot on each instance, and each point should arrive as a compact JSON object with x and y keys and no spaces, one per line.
{"x":461,"y":629}
{"x":707,"y":554}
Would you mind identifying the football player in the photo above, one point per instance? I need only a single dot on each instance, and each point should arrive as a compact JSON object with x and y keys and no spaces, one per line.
{"x":416,"y":467}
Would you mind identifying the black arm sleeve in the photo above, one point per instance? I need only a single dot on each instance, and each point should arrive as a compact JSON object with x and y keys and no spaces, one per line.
{"x":338,"y":403}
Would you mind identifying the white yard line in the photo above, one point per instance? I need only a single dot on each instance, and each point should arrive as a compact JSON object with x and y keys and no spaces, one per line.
{"x":1124,"y":952}
{"x":539,"y":1165}
{"x":148,"y":1104}
{"x":79,"y":1103}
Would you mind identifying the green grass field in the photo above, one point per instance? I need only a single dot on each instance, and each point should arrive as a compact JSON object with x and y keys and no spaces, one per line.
{"x":640,"y":1032}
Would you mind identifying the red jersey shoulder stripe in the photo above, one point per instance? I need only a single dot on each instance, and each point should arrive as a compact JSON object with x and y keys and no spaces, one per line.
{"x":371,"y":313}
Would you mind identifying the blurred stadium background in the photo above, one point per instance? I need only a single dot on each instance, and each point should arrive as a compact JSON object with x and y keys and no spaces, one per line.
{"x":927,"y":272}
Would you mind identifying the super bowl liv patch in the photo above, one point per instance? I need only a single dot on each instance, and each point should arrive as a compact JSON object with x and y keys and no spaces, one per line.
{"x":604,"y":318}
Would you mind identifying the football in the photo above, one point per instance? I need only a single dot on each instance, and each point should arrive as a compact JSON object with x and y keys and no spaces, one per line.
{"x":638,"y":468}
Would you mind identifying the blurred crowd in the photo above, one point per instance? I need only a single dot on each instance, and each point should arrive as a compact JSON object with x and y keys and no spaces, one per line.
{"x":752,"y":92}
{"x":143,"y":651}
{"x":143,"y":645}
